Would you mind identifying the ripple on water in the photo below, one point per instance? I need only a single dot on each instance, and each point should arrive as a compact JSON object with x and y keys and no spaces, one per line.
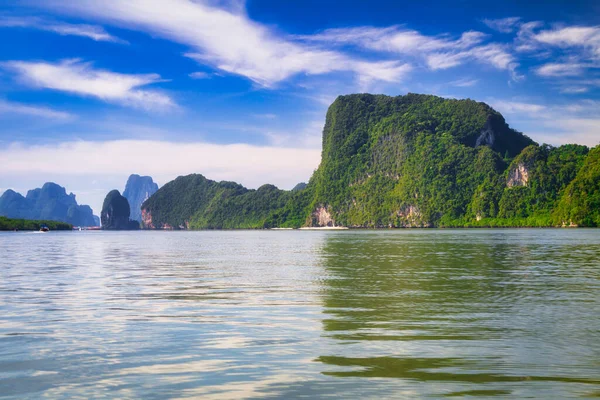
{"x":423,"y":313}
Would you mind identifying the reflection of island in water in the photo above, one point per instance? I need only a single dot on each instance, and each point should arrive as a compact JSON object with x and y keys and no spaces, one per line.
{"x":444,"y":306}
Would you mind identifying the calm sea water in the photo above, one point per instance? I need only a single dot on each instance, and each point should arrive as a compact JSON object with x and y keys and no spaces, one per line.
{"x":254,"y":314}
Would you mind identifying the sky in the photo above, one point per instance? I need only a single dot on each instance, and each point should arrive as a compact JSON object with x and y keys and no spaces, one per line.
{"x":92,"y":91}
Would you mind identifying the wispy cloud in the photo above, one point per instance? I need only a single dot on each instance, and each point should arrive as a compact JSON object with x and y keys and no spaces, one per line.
{"x":575,"y":122}
{"x":93,"y":32}
{"x":465,"y":82}
{"x":574,"y":90}
{"x":7,"y":107}
{"x":560,"y":69}
{"x":512,"y":107}
{"x":228,"y":40}
{"x":504,"y":25}
{"x":199,"y":75}
{"x":438,"y":52}
{"x":395,"y":39}
{"x":585,"y":37}
{"x":81,"y":78}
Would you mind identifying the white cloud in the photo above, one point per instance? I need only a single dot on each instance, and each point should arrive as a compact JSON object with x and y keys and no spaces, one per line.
{"x":7,"y":107}
{"x":574,"y":90}
{"x":465,"y":82}
{"x":439,"y":52}
{"x":511,"y":107}
{"x":77,"y":164}
{"x":199,"y":75}
{"x":227,"y":39}
{"x":560,"y":69}
{"x":575,"y":122}
{"x":504,"y":25}
{"x":93,"y":32}
{"x":574,"y":36}
{"x":395,"y":39}
{"x":77,"y":77}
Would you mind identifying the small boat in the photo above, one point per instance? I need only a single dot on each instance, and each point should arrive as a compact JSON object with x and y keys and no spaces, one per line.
{"x":44,"y":228}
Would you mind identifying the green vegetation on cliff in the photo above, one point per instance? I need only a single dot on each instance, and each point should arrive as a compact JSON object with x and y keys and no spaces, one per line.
{"x":11,"y":224}
{"x":115,"y":213}
{"x":195,"y":202}
{"x":580,"y":202}
{"x":406,"y":161}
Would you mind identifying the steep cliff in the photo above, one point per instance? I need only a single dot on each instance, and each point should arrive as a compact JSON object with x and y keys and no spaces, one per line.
{"x":137,"y":190}
{"x":195,"y":202}
{"x":580,"y":202}
{"x":115,"y":213}
{"x":406,"y":161}
{"x":50,"y":202}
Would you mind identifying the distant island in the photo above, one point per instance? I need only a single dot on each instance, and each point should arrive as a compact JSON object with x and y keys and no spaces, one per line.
{"x":137,"y":190}
{"x":407,"y":161}
{"x":12,"y":224}
{"x":49,"y":203}
{"x":413,"y":161}
{"x":115,"y":215}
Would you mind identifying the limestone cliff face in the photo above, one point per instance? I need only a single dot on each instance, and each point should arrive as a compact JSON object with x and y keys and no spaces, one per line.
{"x":487,"y":137}
{"x":50,"y":202}
{"x":147,"y":222}
{"x":411,"y":217}
{"x":518,"y":176}
{"x":406,"y":161}
{"x":115,"y":213}
{"x":137,"y":190}
{"x":321,"y":217}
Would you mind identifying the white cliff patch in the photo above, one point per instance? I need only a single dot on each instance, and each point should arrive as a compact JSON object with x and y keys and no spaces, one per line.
{"x":518,"y":176}
{"x":322,"y":217}
{"x":486,"y":138}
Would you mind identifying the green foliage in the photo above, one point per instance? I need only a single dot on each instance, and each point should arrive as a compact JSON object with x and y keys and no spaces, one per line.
{"x":405,"y":161}
{"x":550,"y":170}
{"x":9,"y":224}
{"x":410,"y":160}
{"x":198,"y":203}
{"x":244,"y":209}
{"x":580,"y":203}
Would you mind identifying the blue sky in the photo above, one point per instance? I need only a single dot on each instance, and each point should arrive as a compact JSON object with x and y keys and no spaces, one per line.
{"x":92,"y":91}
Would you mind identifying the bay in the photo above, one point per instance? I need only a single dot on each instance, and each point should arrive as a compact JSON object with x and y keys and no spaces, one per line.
{"x":289,"y":314}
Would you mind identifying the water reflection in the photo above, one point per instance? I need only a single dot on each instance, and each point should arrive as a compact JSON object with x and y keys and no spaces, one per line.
{"x":300,"y":314}
{"x":502,"y":309}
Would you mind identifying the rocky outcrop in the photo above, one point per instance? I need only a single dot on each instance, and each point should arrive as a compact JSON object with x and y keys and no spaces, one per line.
{"x":147,"y":219}
{"x":321,"y":217}
{"x":518,"y":176}
{"x":115,"y":213}
{"x":411,"y":217}
{"x":137,"y":190}
{"x":50,"y":202}
{"x":148,"y":223}
{"x":487,"y":137}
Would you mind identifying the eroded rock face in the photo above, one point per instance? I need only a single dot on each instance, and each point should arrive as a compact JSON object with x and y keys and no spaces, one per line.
{"x":147,"y":219}
{"x":411,"y":217}
{"x":321,"y":217}
{"x":486,"y":138}
{"x":137,"y":190}
{"x":148,"y":222}
{"x":518,"y":176}
{"x":115,"y":213}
